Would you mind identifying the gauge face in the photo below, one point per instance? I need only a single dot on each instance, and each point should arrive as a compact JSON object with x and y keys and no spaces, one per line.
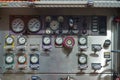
{"x":9,"y":59}
{"x":46,"y":40}
{"x":48,"y":31}
{"x":54,"y":25}
{"x":9,"y":40}
{"x":59,"y":40}
{"x":21,"y":59}
{"x":60,"y":19}
{"x":34,"y":25}
{"x":82,"y":59}
{"x":34,"y":59}
{"x":82,"y":40}
{"x":17,"y":25}
{"x":22,"y":40}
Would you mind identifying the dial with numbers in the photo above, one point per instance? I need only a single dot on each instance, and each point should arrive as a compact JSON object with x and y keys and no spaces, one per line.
{"x":22,"y":59}
{"x":46,"y":40}
{"x":82,"y":59}
{"x":59,"y":40}
{"x":9,"y":40}
{"x":9,"y":59}
{"x":82,"y":40}
{"x":22,"y":40}
{"x":34,"y":59}
{"x":34,"y":25}
{"x":17,"y":25}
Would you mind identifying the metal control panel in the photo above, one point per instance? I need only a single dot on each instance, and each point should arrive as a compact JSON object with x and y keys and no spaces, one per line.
{"x":56,"y":47}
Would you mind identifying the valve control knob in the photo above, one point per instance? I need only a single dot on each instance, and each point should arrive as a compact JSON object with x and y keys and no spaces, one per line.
{"x":69,"y":42}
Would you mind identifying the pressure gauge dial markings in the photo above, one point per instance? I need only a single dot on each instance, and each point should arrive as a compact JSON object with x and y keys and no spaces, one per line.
{"x":59,"y":40}
{"x":9,"y":40}
{"x":82,"y":40}
{"x":34,"y":59}
{"x":17,"y":25}
{"x":34,"y":25}
{"x":82,"y":59}
{"x":46,"y":40}
{"x":21,"y":59}
{"x":9,"y":59}
{"x":22,"y":40}
{"x":54,"y":25}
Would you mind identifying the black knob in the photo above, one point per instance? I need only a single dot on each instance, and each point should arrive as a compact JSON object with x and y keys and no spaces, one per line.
{"x":107,"y":43}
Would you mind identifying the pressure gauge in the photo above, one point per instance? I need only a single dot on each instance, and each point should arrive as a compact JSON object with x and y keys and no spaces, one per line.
{"x":9,"y":40}
{"x":60,"y":19}
{"x":22,"y":59}
{"x":54,"y":25}
{"x":9,"y":59}
{"x":17,"y":25}
{"x":82,"y":59}
{"x":22,"y":40}
{"x":34,"y":59}
{"x":46,"y":40}
{"x":48,"y":19}
{"x":59,"y":40}
{"x":34,"y":25}
{"x":82,"y":40}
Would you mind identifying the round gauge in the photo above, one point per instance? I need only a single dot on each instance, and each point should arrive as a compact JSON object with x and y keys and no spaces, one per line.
{"x":59,"y":40}
{"x":34,"y":59}
{"x":46,"y":40}
{"x":69,"y":42}
{"x":9,"y":59}
{"x":82,"y":59}
{"x":21,"y":59}
{"x":9,"y":40}
{"x":34,"y":25}
{"x":48,"y":19}
{"x":17,"y":25}
{"x":48,"y":31}
{"x":54,"y":25}
{"x":60,"y":19}
{"x":82,"y":40}
{"x":22,"y":40}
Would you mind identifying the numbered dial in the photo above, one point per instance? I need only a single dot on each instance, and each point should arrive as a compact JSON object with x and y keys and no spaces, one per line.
{"x":9,"y":40}
{"x":34,"y":25}
{"x":17,"y":25}
{"x":34,"y":59}
{"x":22,"y":40}
{"x":82,"y":40}
{"x":9,"y":59}
{"x":21,"y":59}
{"x":83,"y":59}
{"x":46,"y":40}
{"x":59,"y":40}
{"x":54,"y":25}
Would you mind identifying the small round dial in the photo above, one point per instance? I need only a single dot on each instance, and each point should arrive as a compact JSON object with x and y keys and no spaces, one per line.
{"x":22,"y":40}
{"x":54,"y":25}
{"x":9,"y":40}
{"x":9,"y":59}
{"x":46,"y":40}
{"x":21,"y":59}
{"x":48,"y":31}
{"x":82,"y":40}
{"x":34,"y":25}
{"x":82,"y":59}
{"x":34,"y":59}
{"x":59,"y":40}
{"x":17,"y":25}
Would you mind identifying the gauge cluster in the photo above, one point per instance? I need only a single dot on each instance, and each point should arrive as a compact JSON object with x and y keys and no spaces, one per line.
{"x":67,"y":25}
